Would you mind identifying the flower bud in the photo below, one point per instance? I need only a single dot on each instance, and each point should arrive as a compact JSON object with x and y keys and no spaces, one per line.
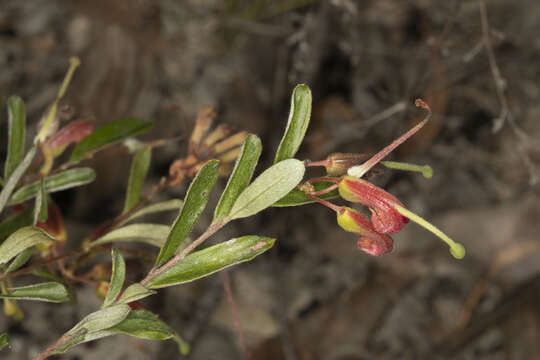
{"x":339,"y":163}
{"x":385,"y":218}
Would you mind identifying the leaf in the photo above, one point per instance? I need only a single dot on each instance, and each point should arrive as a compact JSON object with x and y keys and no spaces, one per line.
{"x":134,"y":292}
{"x":146,"y":325}
{"x":240,"y":176}
{"x":16,"y":134}
{"x":137,"y":175}
{"x":20,"y":260}
{"x":40,"y":207}
{"x":110,"y":134}
{"x":15,"y":177}
{"x":297,"y":197}
{"x":273,"y":184}
{"x":168,"y":205}
{"x":49,"y":291}
{"x":117,"y":278}
{"x":194,"y":204}
{"x":153,"y":234}
{"x":64,"y":180}
{"x":15,"y":222}
{"x":297,"y":123}
{"x":214,"y":258}
{"x":22,"y":239}
{"x":4,"y":340}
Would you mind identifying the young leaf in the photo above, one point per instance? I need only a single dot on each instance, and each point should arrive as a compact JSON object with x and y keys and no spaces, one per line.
{"x":117,"y":278}
{"x":134,"y":292}
{"x":137,"y":175}
{"x":297,"y":197}
{"x":4,"y":340}
{"x":57,"y":182}
{"x":40,"y":207}
{"x":273,"y":184}
{"x":146,"y":325}
{"x":214,"y":258}
{"x":173,"y":204}
{"x":16,"y":134}
{"x":20,"y":259}
{"x":14,"y":223}
{"x":22,"y":239}
{"x":102,"y":319}
{"x":194,"y":204}
{"x":240,"y":176}
{"x":49,"y":291}
{"x":110,"y":134}
{"x":297,"y":123}
{"x":15,"y":177}
{"x":153,"y":234}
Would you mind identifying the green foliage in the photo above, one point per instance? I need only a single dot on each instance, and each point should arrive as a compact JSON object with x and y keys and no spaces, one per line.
{"x":297,"y":197}
{"x":152,"y":234}
{"x":16,"y":134}
{"x":22,"y":239}
{"x":4,"y":340}
{"x":49,"y":291}
{"x":137,"y":175}
{"x":117,"y":278}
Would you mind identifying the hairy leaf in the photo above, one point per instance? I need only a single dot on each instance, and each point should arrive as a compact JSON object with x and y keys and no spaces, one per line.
{"x":153,"y":234}
{"x":168,"y":205}
{"x":15,"y":177}
{"x":22,"y":239}
{"x":117,"y":278}
{"x":16,"y":134}
{"x":137,"y":175}
{"x":49,"y":291}
{"x":15,"y":222}
{"x":134,"y":292}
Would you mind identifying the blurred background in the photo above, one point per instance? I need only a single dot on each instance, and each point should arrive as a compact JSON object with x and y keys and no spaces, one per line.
{"x":314,"y":296}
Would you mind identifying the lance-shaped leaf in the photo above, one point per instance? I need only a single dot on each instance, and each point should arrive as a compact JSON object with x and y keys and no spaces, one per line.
{"x":214,"y":258}
{"x":15,"y":222}
{"x":110,"y":134}
{"x":8,"y":188}
{"x":173,"y":204}
{"x":57,"y":182}
{"x":134,"y":292}
{"x":153,"y":234}
{"x":20,"y":259}
{"x":297,"y":123}
{"x":49,"y":291}
{"x":40,"y":207}
{"x":22,"y":239}
{"x":194,"y":204}
{"x":146,"y":325}
{"x":117,"y":278}
{"x":298,"y":197}
{"x":4,"y":340}
{"x":240,"y":176}
{"x":137,"y":175}
{"x":16,"y":134}
{"x":273,"y":184}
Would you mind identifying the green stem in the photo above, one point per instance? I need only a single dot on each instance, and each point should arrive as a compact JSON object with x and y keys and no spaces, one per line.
{"x":426,"y":170}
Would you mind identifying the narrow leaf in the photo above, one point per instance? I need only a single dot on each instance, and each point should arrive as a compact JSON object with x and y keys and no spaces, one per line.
{"x":16,"y":134}
{"x":194,"y":204}
{"x":117,"y":278}
{"x":4,"y":340}
{"x":173,"y":204}
{"x":240,"y":176}
{"x":49,"y":291}
{"x":40,"y":206}
{"x":22,"y":239}
{"x":297,"y":123}
{"x":15,"y":177}
{"x":297,"y":197}
{"x":110,"y":134}
{"x":64,"y":180}
{"x":134,"y":292}
{"x":153,"y":234}
{"x":137,"y":175}
{"x":20,"y":259}
{"x":214,"y":258}
{"x":273,"y":184}
{"x":14,"y":223}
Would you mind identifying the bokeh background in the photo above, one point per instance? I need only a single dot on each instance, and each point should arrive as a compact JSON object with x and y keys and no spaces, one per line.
{"x":314,"y":296}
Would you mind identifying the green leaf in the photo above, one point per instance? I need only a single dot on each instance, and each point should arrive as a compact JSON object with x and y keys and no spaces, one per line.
{"x":110,"y":134}
{"x":49,"y":291}
{"x":240,"y":176}
{"x":22,"y":239}
{"x":297,"y":123}
{"x":273,"y":184}
{"x":117,"y":278}
{"x":297,"y":197}
{"x":137,"y":175}
{"x":4,"y":340}
{"x":194,"y":204}
{"x":214,"y":258}
{"x":15,"y":222}
{"x":15,"y":177}
{"x":64,"y":180}
{"x":153,"y":234}
{"x":40,"y":207}
{"x":146,"y":325}
{"x":20,"y":259}
{"x":134,"y":292}
{"x":168,"y":205}
{"x":16,"y":134}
